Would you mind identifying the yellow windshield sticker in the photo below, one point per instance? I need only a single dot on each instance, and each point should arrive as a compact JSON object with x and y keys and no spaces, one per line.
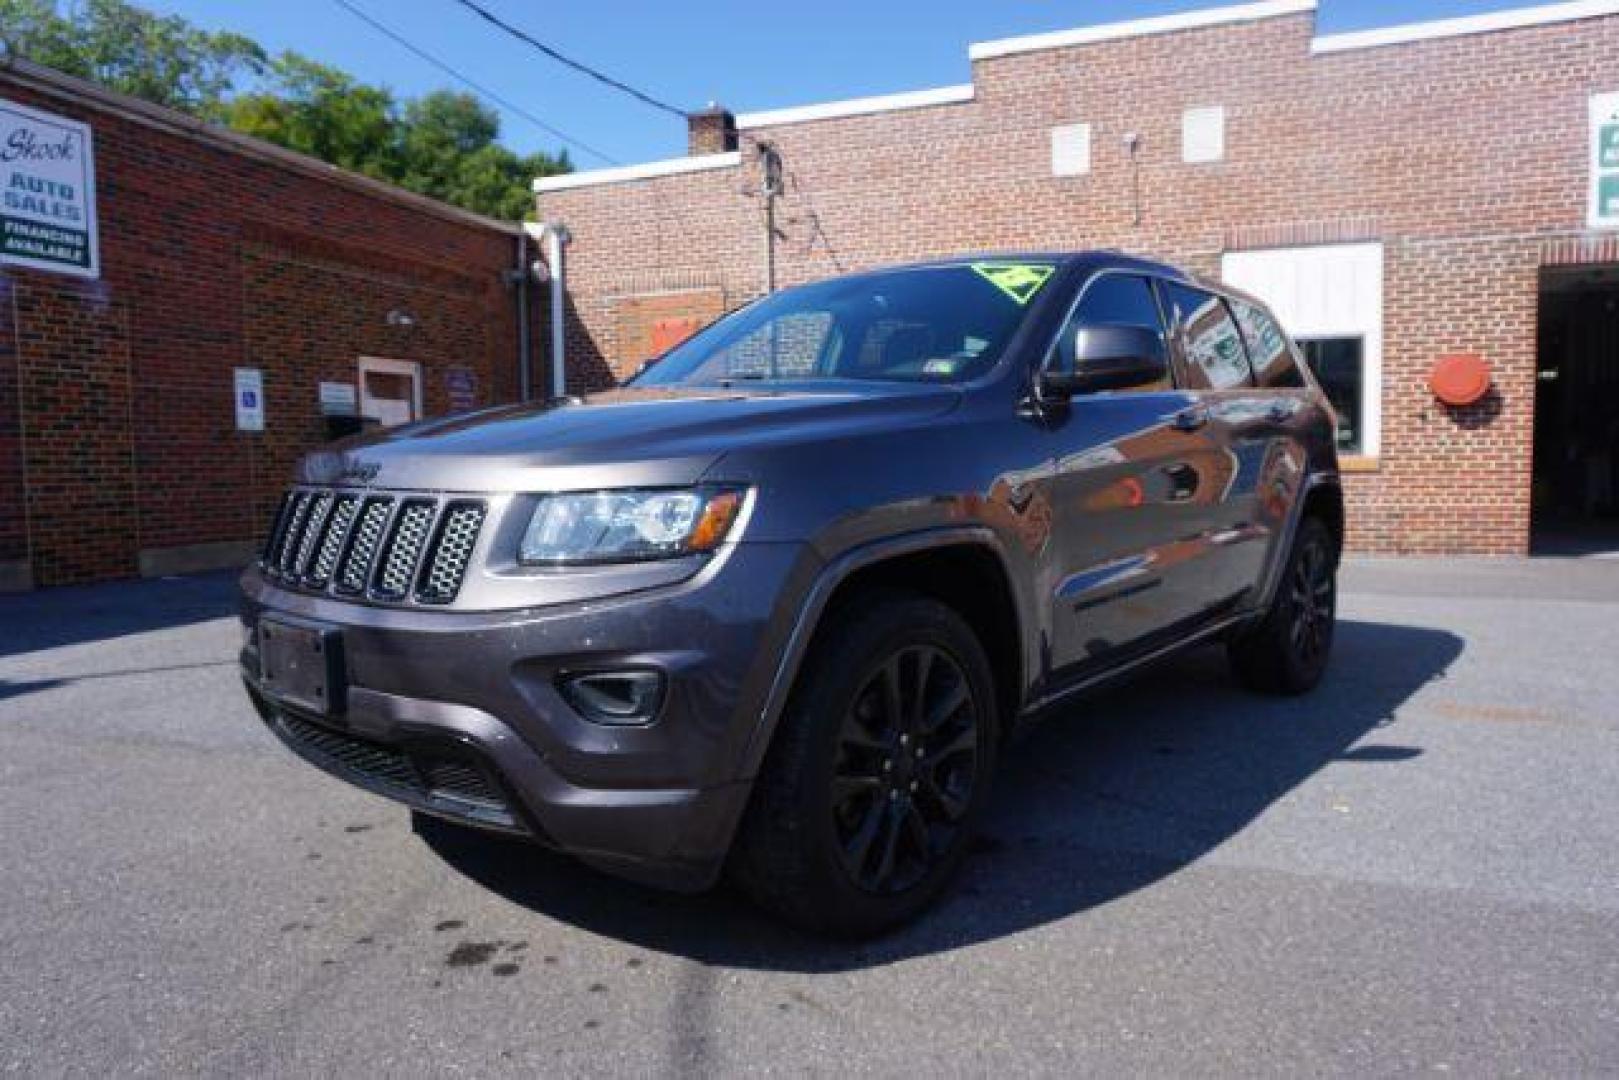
{"x":1020,"y":281}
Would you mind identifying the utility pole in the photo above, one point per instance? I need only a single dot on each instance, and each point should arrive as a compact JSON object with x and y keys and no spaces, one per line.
{"x":770,"y":164}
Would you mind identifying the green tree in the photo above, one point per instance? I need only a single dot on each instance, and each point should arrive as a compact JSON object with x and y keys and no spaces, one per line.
{"x":444,"y":144}
{"x":316,"y":109}
{"x":162,"y":59}
{"x":448,"y":150}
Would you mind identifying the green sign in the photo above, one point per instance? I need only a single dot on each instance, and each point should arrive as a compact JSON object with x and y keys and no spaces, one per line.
{"x":1020,"y":281}
{"x":1608,"y":146}
{"x":1608,"y":198}
{"x":47,"y":193}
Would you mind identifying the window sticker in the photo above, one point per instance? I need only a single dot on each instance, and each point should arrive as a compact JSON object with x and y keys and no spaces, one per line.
{"x":939,"y":366}
{"x":1020,"y":281}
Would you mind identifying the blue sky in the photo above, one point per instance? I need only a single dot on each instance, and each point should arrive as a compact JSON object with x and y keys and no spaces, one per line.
{"x":748,"y":55}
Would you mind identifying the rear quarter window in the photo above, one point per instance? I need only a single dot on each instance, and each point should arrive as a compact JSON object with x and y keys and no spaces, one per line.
{"x":1213,"y":354}
{"x":1268,"y":349}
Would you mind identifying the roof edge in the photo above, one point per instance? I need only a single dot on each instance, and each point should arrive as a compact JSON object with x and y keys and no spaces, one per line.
{"x":1436,"y":29}
{"x":71,"y":88}
{"x":1161,"y":24}
{"x":625,"y":173}
{"x":832,"y":110}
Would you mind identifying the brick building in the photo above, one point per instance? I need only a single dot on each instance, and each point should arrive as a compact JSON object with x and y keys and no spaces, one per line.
{"x":121,"y":448}
{"x":1401,"y":196}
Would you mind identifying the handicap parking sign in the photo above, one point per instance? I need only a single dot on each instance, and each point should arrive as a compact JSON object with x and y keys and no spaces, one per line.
{"x":249,"y":399}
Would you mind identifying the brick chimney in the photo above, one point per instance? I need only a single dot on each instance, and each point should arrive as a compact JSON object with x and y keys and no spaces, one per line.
{"x":710,"y":131}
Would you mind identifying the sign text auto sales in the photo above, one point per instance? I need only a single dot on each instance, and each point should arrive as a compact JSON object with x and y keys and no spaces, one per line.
{"x":47,"y":192}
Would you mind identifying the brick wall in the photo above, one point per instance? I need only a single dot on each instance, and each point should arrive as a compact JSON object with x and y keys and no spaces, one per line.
{"x":13,"y":508}
{"x":1465,"y":156}
{"x":117,"y":424}
{"x":75,"y":399}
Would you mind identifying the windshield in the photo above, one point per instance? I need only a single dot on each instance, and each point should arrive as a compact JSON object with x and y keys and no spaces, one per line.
{"x":932,"y":324}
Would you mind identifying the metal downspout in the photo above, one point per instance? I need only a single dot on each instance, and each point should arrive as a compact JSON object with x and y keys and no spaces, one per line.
{"x":555,"y":236}
{"x":525,"y":347}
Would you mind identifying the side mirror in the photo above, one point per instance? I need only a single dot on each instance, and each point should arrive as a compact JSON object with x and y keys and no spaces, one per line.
{"x":1106,"y":358}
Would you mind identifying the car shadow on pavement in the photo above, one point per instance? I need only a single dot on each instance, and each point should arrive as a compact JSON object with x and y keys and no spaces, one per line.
{"x":80,"y":614}
{"x":1121,"y":790}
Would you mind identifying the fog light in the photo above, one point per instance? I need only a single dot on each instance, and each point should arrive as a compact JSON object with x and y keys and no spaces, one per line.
{"x":615,"y":697}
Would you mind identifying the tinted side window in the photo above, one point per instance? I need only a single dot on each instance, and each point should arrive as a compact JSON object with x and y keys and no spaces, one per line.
{"x":1215,"y":358}
{"x":1119,"y":300}
{"x":1267,"y":347}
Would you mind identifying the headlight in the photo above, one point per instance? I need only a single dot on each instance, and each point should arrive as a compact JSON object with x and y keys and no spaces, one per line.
{"x":627,"y":526}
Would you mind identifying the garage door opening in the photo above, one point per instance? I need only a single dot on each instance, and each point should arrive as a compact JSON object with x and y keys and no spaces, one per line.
{"x":1576,"y":467}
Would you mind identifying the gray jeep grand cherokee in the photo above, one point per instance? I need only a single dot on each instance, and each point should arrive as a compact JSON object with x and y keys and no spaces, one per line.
{"x":776,"y":604}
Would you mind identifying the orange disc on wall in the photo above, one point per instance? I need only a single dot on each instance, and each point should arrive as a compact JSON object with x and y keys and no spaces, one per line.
{"x":1460,"y":379}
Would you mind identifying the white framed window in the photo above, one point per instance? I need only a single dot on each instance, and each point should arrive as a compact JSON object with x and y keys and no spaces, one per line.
{"x":1330,"y":299}
{"x":1071,"y":150}
{"x":1203,"y":135}
{"x":390,"y":390}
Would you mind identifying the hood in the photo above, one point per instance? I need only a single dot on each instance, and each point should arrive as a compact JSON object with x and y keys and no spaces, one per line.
{"x":619,"y":438}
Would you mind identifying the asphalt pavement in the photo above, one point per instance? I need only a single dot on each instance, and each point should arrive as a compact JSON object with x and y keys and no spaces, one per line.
{"x":1415,"y":869}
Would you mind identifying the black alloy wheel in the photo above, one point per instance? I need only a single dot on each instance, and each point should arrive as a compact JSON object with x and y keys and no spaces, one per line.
{"x":1287,"y":649}
{"x":906,"y":767}
{"x":879,"y":770}
{"x":1313,"y":602}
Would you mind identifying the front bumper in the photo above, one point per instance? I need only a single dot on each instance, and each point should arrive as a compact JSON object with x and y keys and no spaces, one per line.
{"x":457,"y":713}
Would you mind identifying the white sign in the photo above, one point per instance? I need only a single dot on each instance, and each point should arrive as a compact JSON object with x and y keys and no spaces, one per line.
{"x":47,"y":193}
{"x":339,"y":399}
{"x":1605,"y":161}
{"x":249,"y":399}
{"x":1071,"y":150}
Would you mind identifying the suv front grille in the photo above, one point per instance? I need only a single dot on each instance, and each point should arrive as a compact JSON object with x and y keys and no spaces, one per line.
{"x":381,"y":547}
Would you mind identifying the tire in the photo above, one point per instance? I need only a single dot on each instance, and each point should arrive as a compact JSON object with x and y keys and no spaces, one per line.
{"x":862,"y":814}
{"x":1286,"y":651}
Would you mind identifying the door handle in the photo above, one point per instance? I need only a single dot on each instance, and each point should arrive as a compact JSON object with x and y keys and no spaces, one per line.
{"x":1191,"y":419}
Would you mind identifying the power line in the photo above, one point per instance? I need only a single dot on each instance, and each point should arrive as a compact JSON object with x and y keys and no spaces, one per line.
{"x":476,"y":87}
{"x":584,"y":69}
{"x":815,"y":219}
{"x":818,"y":228}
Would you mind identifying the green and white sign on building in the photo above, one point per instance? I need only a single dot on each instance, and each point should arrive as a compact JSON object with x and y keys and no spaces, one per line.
{"x":1605,"y":161}
{"x":47,"y":193}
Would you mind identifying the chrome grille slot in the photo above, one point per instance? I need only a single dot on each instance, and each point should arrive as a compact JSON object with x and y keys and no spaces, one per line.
{"x":403,"y":551}
{"x":362,"y":550}
{"x":319,"y":511}
{"x":278,"y":526}
{"x":319,"y":575}
{"x":447,"y":562}
{"x":296,"y":519}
